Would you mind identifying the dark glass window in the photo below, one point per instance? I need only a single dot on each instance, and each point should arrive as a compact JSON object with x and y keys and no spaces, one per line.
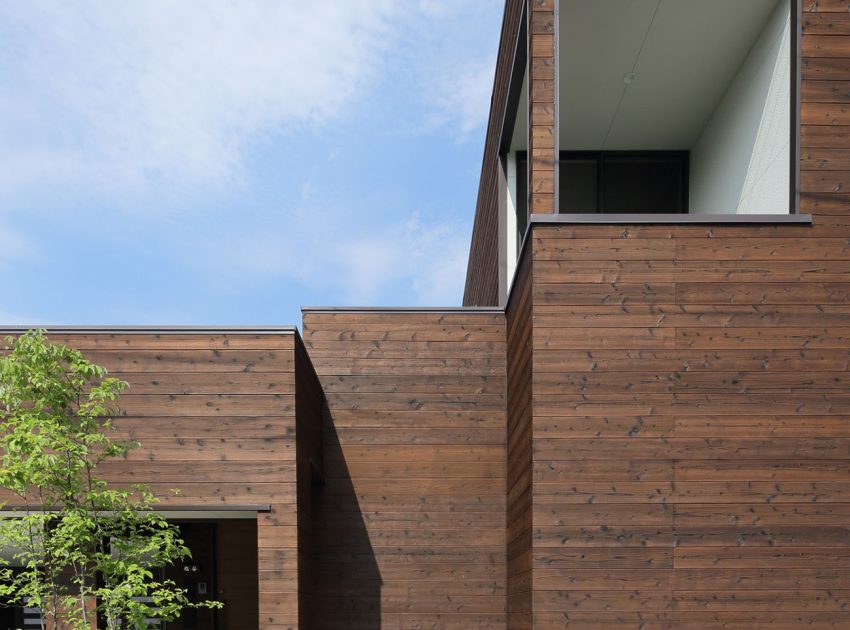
{"x":580,"y":178}
{"x":616,"y":182}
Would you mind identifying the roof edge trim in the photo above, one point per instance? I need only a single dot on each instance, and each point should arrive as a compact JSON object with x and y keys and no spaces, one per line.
{"x":401,"y":309}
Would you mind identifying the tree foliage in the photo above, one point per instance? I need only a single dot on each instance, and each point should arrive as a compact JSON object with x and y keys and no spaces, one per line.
{"x":81,"y":547}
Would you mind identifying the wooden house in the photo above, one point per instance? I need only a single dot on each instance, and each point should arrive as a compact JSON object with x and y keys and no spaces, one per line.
{"x":639,"y":418}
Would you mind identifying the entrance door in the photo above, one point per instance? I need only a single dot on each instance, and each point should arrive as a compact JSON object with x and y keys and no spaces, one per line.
{"x":196,"y":575}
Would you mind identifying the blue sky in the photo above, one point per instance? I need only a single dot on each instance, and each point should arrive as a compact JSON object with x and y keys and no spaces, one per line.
{"x":218,"y":162}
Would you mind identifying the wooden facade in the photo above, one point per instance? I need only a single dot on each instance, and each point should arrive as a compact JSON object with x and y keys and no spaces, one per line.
{"x":542,"y":107}
{"x":410,"y":522}
{"x":690,"y":426}
{"x":679,"y":394}
{"x":215,"y":413}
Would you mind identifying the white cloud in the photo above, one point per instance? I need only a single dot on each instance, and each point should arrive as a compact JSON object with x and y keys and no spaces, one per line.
{"x":429,"y":258}
{"x":464,"y":100}
{"x":123,"y":99}
{"x":122,"y":92}
{"x":459,"y":61}
{"x":111,"y":95}
{"x":322,"y":247}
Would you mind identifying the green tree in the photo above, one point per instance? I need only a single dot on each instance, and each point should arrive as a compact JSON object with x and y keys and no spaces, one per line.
{"x":81,"y":547}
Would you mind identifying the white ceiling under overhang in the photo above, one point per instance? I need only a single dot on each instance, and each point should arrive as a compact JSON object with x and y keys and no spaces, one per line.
{"x":685,"y":54}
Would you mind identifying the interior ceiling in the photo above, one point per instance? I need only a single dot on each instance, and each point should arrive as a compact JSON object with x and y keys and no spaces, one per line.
{"x":685,"y":54}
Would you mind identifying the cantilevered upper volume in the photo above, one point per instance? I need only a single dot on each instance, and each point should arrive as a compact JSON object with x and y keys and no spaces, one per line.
{"x":644,"y":108}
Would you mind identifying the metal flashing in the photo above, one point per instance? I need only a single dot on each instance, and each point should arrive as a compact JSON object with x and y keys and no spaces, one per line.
{"x":147,"y":330}
{"x":673,"y":219}
{"x":401,"y":309}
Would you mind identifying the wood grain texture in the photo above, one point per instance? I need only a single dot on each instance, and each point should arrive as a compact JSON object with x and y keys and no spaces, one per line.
{"x":666,"y":481}
{"x":668,"y":477}
{"x":542,"y":85}
{"x":410,"y":524}
{"x":229,"y":419}
{"x":689,"y":387}
{"x":656,"y":433}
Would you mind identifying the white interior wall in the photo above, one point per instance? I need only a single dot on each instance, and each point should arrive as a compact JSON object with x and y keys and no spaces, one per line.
{"x":740,"y":164}
{"x":512,"y":252}
{"x":519,"y":142}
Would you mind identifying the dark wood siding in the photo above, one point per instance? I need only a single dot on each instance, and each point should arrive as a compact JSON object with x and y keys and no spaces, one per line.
{"x":691,"y":453}
{"x":216,"y":417}
{"x":519,"y":448}
{"x":542,"y":136}
{"x":411,"y":520}
{"x":482,"y":276}
{"x":691,"y":459}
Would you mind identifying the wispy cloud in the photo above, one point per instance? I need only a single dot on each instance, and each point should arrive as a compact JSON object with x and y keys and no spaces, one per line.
{"x":464,"y":100}
{"x":122,"y":92}
{"x":112,"y":111}
{"x":324,"y":246}
{"x":427,"y":256}
{"x":119,"y":94}
{"x":456,"y":64}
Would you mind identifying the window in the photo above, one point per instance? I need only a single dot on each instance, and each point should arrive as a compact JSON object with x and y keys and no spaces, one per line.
{"x":617,"y":182}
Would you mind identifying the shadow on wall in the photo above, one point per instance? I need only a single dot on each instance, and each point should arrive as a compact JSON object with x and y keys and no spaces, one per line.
{"x":347,"y":581}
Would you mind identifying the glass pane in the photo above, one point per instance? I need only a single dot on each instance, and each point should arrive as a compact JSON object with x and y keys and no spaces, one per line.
{"x":643,"y":184}
{"x":578,"y":185}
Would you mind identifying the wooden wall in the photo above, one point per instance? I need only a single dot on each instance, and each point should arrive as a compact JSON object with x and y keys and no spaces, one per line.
{"x":691,"y":402}
{"x":519,"y":448}
{"x":542,"y":85}
{"x":482,"y":276}
{"x":411,"y":521}
{"x":691,"y":414}
{"x":216,"y":417}
{"x":690,"y":405}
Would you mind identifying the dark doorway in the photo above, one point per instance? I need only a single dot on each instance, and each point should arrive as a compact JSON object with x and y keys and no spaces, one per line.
{"x":197,"y":575}
{"x":223,"y":567}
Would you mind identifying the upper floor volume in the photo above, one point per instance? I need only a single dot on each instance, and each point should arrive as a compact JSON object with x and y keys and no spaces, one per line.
{"x":645,"y":107}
